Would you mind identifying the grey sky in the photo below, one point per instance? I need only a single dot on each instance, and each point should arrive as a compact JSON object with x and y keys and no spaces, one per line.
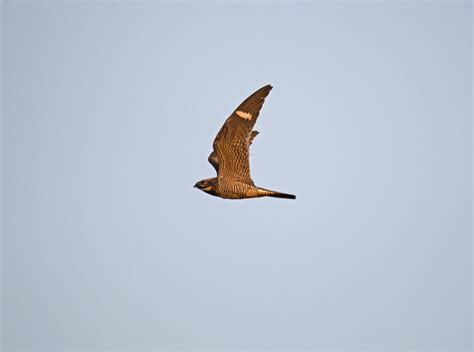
{"x":109,"y":113}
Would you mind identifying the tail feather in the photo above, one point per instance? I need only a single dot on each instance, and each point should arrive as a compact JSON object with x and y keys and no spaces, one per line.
{"x":282,"y":195}
{"x":266,"y":192}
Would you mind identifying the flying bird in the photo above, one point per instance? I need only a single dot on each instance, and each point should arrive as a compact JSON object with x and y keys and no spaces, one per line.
{"x":230,"y":156}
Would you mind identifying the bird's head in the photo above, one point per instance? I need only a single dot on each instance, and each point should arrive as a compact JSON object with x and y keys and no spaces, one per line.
{"x":207,"y":185}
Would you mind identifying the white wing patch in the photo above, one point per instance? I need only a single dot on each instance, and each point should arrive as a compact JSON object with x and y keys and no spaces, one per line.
{"x":244,"y":115}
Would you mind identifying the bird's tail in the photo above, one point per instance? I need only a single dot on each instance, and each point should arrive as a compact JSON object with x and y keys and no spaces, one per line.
{"x":268,"y":193}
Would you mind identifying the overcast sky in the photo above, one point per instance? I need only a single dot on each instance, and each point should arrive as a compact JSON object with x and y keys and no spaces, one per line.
{"x":109,"y":113}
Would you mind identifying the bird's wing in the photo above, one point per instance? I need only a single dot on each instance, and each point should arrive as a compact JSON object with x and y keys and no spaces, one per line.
{"x":230,"y":157}
{"x":213,"y":160}
{"x":213,"y":156}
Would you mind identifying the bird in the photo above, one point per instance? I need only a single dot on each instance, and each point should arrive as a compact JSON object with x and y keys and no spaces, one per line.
{"x":230,"y":155}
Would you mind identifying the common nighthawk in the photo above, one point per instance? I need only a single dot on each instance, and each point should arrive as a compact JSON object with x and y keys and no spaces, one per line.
{"x":230,"y":156}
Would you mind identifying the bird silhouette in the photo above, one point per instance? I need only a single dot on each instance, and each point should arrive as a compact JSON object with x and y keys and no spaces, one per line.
{"x":230,"y":156}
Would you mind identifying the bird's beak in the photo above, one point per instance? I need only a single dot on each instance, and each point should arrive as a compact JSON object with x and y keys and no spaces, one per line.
{"x":196,"y":185}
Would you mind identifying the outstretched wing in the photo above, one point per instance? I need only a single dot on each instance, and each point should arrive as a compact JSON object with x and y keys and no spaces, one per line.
{"x":230,"y":157}
{"x":213,"y":156}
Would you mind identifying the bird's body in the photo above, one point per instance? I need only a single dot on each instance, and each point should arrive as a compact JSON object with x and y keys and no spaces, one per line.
{"x":230,"y":156}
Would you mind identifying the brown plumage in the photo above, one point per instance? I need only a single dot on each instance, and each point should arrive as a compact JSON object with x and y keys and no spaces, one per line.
{"x":230,"y":156}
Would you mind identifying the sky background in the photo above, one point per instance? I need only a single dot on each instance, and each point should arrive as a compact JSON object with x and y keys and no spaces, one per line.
{"x":109,"y":113}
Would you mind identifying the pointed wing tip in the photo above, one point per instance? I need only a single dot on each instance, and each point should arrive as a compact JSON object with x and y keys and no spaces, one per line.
{"x":265,"y":90}
{"x":267,"y":87}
